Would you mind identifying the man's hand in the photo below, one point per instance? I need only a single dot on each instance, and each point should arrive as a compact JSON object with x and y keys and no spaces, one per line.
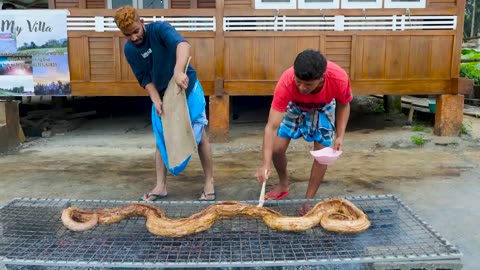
{"x":158,"y":106}
{"x":338,"y":144}
{"x":263,"y":173}
{"x":181,"y":79}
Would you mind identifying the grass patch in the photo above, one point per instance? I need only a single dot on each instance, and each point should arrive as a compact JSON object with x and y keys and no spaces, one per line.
{"x":418,"y":140}
{"x":419,"y":128}
{"x":466,"y":128}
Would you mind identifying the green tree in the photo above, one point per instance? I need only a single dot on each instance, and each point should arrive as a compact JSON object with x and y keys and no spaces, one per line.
{"x":471,"y":24}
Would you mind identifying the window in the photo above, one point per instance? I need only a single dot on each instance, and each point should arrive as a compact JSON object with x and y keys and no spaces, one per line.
{"x":141,"y":4}
{"x":346,"y":4}
{"x":405,"y":4}
{"x":316,"y":4}
{"x":275,"y":4}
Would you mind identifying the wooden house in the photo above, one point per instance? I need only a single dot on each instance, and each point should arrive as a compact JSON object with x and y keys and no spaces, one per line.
{"x":241,"y":47}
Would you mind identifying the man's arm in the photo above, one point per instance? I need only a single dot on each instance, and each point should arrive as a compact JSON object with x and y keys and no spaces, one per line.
{"x":274,"y":119}
{"x":155,"y":97}
{"x":183,"y":53}
{"x":342,"y":115}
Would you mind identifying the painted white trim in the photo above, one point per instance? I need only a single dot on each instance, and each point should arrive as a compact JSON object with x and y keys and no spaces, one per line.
{"x":416,"y":4}
{"x":292,"y":4}
{"x":104,"y":24}
{"x":361,"y":5}
{"x":339,"y":23}
{"x":279,"y":23}
{"x":333,"y":4}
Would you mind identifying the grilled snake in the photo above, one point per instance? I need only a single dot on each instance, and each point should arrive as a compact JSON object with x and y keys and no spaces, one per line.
{"x":338,"y":215}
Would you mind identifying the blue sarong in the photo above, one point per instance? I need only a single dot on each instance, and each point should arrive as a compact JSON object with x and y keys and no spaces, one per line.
{"x":313,"y":125}
{"x":196,"y":108}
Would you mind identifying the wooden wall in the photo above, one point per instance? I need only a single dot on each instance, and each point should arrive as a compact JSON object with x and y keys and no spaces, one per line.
{"x":105,"y":70}
{"x":414,"y":64}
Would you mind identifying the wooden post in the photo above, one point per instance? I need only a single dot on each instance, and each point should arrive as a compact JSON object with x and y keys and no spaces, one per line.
{"x":219,"y":118}
{"x":219,"y":109}
{"x":448,"y":115}
{"x":392,"y":104}
{"x":10,"y":129}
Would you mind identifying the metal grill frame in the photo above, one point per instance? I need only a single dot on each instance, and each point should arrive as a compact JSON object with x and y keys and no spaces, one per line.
{"x":451,"y":251}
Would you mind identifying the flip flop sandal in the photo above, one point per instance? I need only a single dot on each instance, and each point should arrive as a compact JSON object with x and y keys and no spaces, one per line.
{"x":205,"y":196}
{"x":156,"y":197}
{"x":272,"y":195}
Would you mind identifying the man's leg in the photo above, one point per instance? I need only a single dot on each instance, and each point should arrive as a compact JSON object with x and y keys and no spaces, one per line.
{"x":161,"y":172}
{"x":205,"y":154}
{"x":316,"y":175}
{"x":279,"y":158}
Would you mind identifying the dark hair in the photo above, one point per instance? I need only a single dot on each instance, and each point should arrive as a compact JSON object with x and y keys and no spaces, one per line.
{"x":309,"y":65}
{"x":8,"y":6}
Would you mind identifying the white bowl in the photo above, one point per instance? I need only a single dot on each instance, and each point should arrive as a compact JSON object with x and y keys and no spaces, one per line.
{"x":326,"y":155}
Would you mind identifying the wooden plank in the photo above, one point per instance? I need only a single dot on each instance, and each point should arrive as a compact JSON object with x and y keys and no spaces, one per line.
{"x":107,"y":89}
{"x":124,"y":88}
{"x":102,"y":71}
{"x":239,"y":58}
{"x":100,"y":58}
{"x":206,"y":4}
{"x":362,"y":87}
{"x":203,"y":55}
{"x":396,"y":57}
{"x":76,"y":64}
{"x":307,"y":43}
{"x":174,"y":4}
{"x":401,"y":87}
{"x":443,"y":1}
{"x":285,"y":52}
{"x":420,"y":57}
{"x":125,"y":69}
{"x":102,"y":51}
{"x":441,"y":5}
{"x":339,"y":38}
{"x":338,"y":57}
{"x":86,"y":58}
{"x":263,"y":59}
{"x":339,"y":45}
{"x":441,"y":61}
{"x":102,"y":64}
{"x":117,"y":52}
{"x":102,"y":77}
{"x":339,"y":50}
{"x":106,"y":44}
{"x":353,"y":60}
{"x":373,"y":54}
{"x":194,"y":3}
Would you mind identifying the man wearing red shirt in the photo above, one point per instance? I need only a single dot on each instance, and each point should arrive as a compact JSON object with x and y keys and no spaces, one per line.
{"x":307,"y":99}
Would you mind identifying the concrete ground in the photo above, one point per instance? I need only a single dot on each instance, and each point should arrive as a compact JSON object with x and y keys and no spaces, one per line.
{"x":112,"y":158}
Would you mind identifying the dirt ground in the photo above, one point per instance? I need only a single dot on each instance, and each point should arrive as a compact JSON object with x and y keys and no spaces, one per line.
{"x":112,"y":158}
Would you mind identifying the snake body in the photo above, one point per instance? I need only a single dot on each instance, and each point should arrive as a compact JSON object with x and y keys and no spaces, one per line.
{"x":338,"y":215}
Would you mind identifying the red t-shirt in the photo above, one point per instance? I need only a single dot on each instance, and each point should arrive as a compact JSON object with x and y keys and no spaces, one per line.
{"x":336,"y":86}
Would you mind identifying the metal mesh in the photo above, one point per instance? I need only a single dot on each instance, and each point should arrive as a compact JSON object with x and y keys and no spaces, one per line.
{"x":32,"y":233}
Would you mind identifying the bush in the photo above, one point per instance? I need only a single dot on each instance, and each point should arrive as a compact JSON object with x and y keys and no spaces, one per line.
{"x":470,"y":70}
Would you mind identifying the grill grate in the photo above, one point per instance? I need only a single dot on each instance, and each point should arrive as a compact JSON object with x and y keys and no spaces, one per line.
{"x":32,"y":233}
